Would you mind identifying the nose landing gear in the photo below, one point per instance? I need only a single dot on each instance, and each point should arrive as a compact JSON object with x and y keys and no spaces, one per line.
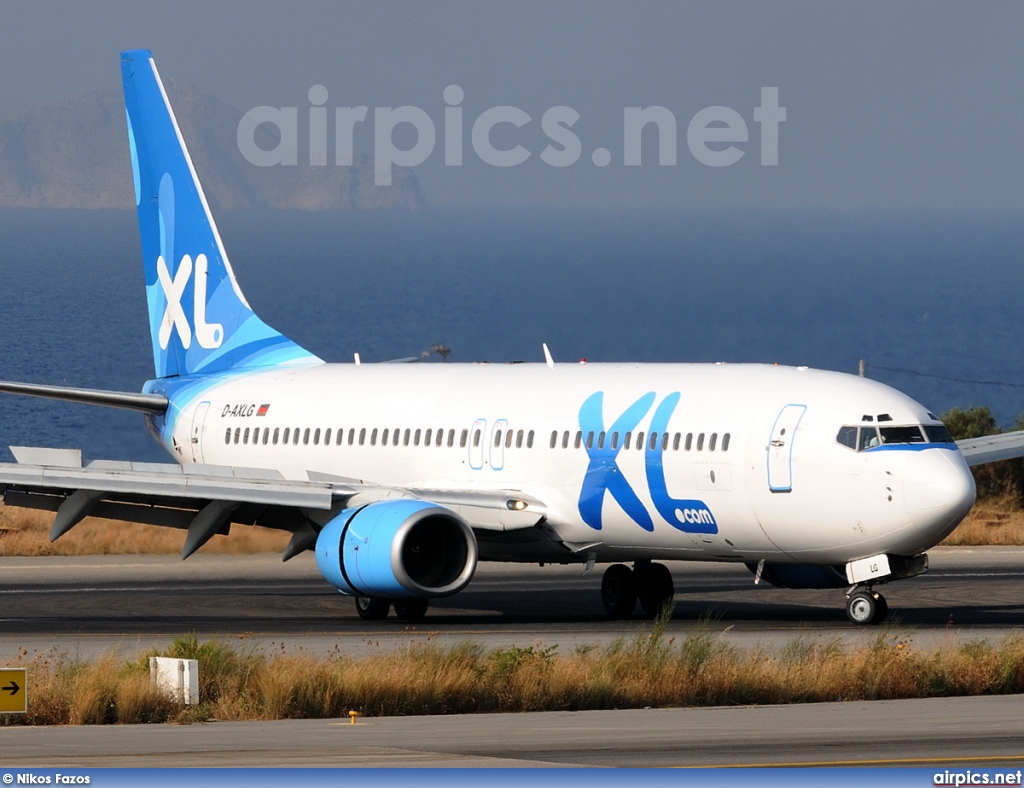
{"x":865,"y":607}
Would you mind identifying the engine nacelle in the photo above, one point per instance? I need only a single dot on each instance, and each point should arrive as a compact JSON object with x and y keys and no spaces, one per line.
{"x":397,"y":548}
{"x":802,"y":575}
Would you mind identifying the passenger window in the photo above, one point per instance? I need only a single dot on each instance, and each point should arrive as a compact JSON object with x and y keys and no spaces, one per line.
{"x":554,"y":438}
{"x":689,"y":441}
{"x":529,"y":439}
{"x":362,"y":436}
{"x":579,"y":439}
{"x":405,"y":437}
{"x":713,"y":441}
{"x":341,"y":437}
{"x":497,"y":438}
{"x":373,"y":437}
{"x":427,"y":436}
{"x":639,"y":441}
{"x":600,"y":440}
{"x":277,"y":434}
{"x":519,"y":439}
{"x":565,"y":439}
{"x":245,"y":436}
{"x":700,"y":442}
{"x":652,"y":442}
{"x":847,"y":437}
{"x":615,"y":441}
{"x":590,"y":439}
{"x":384,"y":437}
{"x":295,"y":437}
{"x":508,"y":439}
{"x":725,"y":442}
{"x":415,"y":439}
{"x":227,"y":436}
{"x":266,"y":435}
{"x":305,"y":437}
{"x":316,"y":437}
{"x":451,"y":438}
{"x":327,"y":437}
{"x":238,"y":433}
{"x":287,"y":435}
{"x":664,"y":442}
{"x":476,"y":438}
{"x":627,"y":441}
{"x":462,"y":439}
{"x":675,"y":441}
{"x":352,"y":436}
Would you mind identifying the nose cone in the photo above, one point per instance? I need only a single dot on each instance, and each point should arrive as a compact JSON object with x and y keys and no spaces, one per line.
{"x":939,"y":491}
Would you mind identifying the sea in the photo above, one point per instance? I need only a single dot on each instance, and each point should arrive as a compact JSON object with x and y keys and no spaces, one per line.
{"x":932,"y":303}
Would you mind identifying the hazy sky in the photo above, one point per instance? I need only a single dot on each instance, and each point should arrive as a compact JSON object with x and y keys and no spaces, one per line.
{"x":889,"y":106}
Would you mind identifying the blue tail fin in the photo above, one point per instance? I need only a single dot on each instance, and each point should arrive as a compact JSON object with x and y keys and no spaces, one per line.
{"x":199,"y":320}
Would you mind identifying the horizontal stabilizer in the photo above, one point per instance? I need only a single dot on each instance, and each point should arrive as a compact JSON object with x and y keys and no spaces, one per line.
{"x":128,"y":400}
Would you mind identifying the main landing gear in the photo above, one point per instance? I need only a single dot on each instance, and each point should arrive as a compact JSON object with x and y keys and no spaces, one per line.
{"x":622,"y":587}
{"x":375,"y":608}
{"x":864,"y":606}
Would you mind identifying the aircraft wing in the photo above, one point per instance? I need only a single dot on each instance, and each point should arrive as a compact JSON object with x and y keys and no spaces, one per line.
{"x":205,"y":500}
{"x":992,"y":448}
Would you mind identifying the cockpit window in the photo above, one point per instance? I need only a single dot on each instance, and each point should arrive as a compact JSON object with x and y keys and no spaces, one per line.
{"x":868,"y":438}
{"x":937,"y":433}
{"x":847,"y":437}
{"x":902,"y":434}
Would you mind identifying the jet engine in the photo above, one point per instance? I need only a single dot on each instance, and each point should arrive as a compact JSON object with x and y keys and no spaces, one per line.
{"x":397,"y":548}
{"x":803,"y":575}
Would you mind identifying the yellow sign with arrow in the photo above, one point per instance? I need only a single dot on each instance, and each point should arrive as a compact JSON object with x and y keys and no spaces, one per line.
{"x":13,"y":690}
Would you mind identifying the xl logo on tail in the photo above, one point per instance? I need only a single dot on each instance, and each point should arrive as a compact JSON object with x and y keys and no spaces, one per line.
{"x":208,"y":335}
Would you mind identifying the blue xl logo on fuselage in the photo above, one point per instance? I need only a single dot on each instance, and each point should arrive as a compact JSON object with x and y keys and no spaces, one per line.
{"x":604,"y":475}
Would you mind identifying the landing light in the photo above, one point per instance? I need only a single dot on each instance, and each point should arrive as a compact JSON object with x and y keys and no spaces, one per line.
{"x":515,"y":505}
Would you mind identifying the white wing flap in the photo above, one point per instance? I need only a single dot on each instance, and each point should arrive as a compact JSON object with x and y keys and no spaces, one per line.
{"x":169,"y":482}
{"x":171,"y":494}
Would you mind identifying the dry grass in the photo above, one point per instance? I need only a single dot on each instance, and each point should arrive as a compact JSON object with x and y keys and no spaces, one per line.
{"x":648,"y":670}
{"x":26,"y":532}
{"x":994,"y":521}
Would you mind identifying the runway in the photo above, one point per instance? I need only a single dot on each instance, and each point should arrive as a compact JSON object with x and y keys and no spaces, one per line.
{"x":87,"y":606}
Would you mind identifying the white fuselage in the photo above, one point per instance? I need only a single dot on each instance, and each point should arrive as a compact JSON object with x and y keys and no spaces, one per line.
{"x":745,"y":464}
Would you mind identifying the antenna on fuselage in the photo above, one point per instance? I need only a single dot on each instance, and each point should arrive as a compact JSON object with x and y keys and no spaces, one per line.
{"x":547,"y":356}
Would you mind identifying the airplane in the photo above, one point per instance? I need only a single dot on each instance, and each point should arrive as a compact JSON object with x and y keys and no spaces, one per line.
{"x":402,"y":477}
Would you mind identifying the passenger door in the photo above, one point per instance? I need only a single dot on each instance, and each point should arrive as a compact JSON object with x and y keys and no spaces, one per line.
{"x":780,"y":448}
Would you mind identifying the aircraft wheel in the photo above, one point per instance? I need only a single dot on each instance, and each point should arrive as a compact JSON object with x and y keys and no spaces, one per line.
{"x":654,"y":587}
{"x":862,"y":607}
{"x":372,"y":608}
{"x":618,"y":591}
{"x":412,"y":609}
